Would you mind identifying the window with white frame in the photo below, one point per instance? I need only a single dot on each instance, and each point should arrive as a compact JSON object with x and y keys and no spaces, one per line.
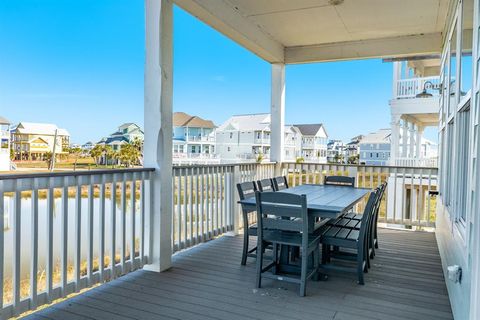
{"x":455,"y":121}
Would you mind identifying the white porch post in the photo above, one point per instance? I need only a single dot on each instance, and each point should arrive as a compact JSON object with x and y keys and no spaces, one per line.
{"x":395,"y":139}
{"x":420,"y":130}
{"x":158,"y":127}
{"x":404,"y":138}
{"x":277,"y":113}
{"x":411,"y":145}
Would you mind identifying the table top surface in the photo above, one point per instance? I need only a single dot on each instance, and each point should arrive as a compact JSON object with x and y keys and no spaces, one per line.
{"x":325,"y":201}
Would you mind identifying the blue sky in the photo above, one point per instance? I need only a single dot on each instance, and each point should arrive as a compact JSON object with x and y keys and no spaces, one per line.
{"x":79,"y":64}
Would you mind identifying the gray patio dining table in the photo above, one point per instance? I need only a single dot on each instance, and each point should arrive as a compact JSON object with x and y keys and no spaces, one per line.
{"x":323,"y":201}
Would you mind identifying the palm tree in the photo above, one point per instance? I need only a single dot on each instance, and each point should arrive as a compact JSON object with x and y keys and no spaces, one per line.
{"x":96,"y":152}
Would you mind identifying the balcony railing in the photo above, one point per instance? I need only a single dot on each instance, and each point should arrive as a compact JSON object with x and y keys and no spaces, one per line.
{"x":60,"y":227}
{"x":200,"y":139}
{"x":409,"y":88}
{"x":410,"y":197}
{"x":63,"y":232}
{"x":415,"y":162}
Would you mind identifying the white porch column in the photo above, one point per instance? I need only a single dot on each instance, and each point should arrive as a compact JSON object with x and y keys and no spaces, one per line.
{"x":158,"y":127}
{"x":394,"y":146}
{"x":404,"y":138}
{"x":418,"y":139}
{"x":277,"y":111}
{"x":411,"y":145}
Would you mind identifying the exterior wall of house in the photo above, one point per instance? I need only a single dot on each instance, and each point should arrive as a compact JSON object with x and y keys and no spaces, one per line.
{"x":35,"y":146}
{"x":458,"y":206}
{"x":374,"y":153}
{"x":4,"y":148}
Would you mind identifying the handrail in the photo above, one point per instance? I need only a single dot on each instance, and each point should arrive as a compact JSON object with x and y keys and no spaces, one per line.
{"x":71,"y":173}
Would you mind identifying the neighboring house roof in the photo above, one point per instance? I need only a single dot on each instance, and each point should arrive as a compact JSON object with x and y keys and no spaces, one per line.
{"x":310,"y":129}
{"x":4,"y":120}
{"x":110,"y":140}
{"x":381,"y":136}
{"x":247,"y":122}
{"x":182,"y":119}
{"x":40,"y":128}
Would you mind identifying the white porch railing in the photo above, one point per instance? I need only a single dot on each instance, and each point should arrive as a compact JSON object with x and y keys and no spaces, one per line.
{"x":415,"y":162}
{"x":63,"y":232}
{"x":58,"y":228}
{"x":204,"y":199}
{"x":409,"y":88}
{"x":410,"y":197}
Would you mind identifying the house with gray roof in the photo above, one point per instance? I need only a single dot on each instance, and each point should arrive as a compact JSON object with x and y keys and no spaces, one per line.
{"x":193,"y":139}
{"x":247,"y":137}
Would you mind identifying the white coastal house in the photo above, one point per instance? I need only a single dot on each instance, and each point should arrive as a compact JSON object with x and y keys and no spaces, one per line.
{"x":4,"y":144}
{"x":193,"y":139}
{"x":247,"y":137}
{"x":314,"y":139}
{"x":244,"y":137}
{"x":33,"y":141}
{"x":352,"y":150}
{"x":336,"y":151}
{"x":375,"y":149}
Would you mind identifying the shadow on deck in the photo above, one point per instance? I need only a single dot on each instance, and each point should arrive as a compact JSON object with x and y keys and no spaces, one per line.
{"x":208,"y":282}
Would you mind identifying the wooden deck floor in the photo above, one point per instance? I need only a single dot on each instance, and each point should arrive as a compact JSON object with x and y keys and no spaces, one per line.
{"x":208,"y":282}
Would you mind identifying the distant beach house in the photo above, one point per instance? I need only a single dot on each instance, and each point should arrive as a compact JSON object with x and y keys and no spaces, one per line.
{"x":193,"y":138}
{"x":33,"y":141}
{"x":375,"y":148}
{"x":314,"y":142}
{"x":352,"y":148}
{"x":4,"y":144}
{"x":247,"y":137}
{"x":126,"y":133}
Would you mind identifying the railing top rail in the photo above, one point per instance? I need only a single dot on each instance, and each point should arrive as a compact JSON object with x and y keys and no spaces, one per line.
{"x":189,"y":166}
{"x":357,"y":165}
{"x":71,"y":173}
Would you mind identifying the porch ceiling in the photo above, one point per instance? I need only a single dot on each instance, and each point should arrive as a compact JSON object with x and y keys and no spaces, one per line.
{"x":316,"y":30}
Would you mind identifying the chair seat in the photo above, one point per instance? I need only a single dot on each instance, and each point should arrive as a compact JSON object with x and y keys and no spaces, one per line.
{"x":346,"y":222}
{"x":340,"y":236}
{"x":353,"y":215}
{"x":291,"y":238}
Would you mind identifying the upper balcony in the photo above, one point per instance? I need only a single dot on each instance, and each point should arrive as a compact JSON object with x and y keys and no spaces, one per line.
{"x":200,"y":139}
{"x":411,"y":88}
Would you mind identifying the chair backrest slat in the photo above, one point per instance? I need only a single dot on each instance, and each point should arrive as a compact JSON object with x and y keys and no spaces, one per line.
{"x":340,"y":181}
{"x":246,"y":190}
{"x":265,"y":185}
{"x":282,"y":211}
{"x":280,"y":183}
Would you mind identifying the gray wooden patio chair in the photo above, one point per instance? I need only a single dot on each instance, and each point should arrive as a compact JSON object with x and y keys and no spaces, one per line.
{"x":355,"y":224}
{"x":283,"y":220}
{"x":340,"y":181}
{"x":357,"y":217}
{"x":265,"y":185}
{"x":348,"y":238}
{"x":247,"y":190}
{"x":280,"y":183}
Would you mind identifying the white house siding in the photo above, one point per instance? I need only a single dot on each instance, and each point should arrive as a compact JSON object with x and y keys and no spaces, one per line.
{"x":457,"y":225}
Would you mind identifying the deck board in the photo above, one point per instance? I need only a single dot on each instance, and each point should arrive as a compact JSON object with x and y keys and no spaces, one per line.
{"x":208,"y":282}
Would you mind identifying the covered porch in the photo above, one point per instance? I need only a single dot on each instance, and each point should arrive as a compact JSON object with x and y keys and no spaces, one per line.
{"x":194,"y":207}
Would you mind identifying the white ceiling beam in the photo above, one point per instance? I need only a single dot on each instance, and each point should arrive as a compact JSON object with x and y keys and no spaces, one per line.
{"x":227,"y":20}
{"x":372,"y":48}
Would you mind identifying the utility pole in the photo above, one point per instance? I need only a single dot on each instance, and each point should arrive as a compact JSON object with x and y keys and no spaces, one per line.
{"x":52,"y":160}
